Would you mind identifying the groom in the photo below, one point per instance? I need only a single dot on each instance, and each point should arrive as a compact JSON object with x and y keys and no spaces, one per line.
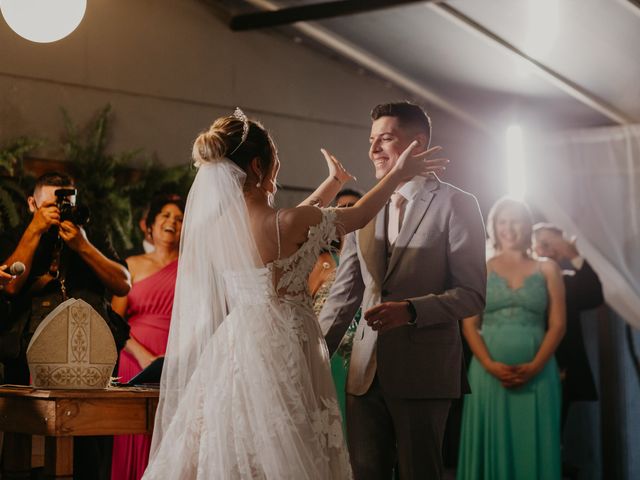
{"x":417,"y":269}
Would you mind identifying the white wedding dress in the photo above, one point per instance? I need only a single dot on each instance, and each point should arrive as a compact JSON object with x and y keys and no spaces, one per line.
{"x":260,"y":402}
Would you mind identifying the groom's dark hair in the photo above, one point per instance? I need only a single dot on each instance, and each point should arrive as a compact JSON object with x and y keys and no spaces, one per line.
{"x":408,"y":115}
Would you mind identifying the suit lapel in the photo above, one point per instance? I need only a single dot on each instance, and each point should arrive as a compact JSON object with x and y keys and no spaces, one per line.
{"x":412,"y":221}
{"x":373,"y":245}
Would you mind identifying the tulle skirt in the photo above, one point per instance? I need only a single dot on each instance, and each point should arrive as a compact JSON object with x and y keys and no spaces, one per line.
{"x":261,"y":404}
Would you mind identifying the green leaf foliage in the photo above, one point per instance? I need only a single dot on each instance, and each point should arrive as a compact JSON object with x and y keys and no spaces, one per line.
{"x":116,"y":193}
{"x":96,"y":174}
{"x":14,"y":181}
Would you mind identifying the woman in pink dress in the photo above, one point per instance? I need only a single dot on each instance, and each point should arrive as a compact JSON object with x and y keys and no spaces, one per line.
{"x":148,"y":310}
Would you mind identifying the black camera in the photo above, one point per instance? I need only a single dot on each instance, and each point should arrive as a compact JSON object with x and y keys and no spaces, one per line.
{"x":78,"y":215}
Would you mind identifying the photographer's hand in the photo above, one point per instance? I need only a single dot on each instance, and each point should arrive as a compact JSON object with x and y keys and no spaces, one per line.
{"x":73,"y":235}
{"x":44,"y":218}
{"x":5,"y":277}
{"x":113,"y":275}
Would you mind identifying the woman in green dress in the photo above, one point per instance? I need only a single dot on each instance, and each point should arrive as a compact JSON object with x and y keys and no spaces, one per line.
{"x":511,"y":420}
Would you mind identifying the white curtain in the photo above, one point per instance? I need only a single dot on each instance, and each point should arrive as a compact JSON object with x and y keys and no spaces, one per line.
{"x":587,"y":182}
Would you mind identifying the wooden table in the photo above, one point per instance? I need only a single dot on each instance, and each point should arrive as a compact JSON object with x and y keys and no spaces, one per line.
{"x":60,"y":415}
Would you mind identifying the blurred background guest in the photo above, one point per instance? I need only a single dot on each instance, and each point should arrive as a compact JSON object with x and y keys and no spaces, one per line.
{"x":348,"y":197}
{"x":148,"y":310}
{"x":146,"y":246}
{"x":320,"y":281}
{"x":324,"y":271}
{"x":583,"y":292}
{"x":511,"y":420}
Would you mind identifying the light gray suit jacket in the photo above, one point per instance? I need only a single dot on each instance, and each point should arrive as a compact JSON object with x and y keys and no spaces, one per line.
{"x":438,"y":263}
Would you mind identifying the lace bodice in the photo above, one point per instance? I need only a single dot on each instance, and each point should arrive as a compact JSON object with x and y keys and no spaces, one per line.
{"x":294,"y":270}
{"x":523,"y":306}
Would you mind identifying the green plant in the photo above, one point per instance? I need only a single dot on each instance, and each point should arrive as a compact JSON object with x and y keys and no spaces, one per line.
{"x":14,"y":181}
{"x":116,"y":193}
{"x":97,"y":175}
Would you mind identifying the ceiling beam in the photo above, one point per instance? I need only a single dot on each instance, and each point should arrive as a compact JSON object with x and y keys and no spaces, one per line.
{"x":635,"y":3}
{"x":565,"y":84}
{"x":379,"y":67}
{"x":306,"y":13}
{"x":222,"y":13}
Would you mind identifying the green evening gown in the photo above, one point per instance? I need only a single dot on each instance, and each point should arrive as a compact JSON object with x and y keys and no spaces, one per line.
{"x":512,"y":434}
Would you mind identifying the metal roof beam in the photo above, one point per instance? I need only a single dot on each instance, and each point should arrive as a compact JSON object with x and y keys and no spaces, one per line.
{"x":381,"y":68}
{"x":565,"y":84}
{"x":306,"y":13}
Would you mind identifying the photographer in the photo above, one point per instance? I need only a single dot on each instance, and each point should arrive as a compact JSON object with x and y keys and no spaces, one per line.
{"x":61,"y":261}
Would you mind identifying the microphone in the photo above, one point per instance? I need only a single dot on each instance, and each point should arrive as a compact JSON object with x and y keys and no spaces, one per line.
{"x":16,"y":269}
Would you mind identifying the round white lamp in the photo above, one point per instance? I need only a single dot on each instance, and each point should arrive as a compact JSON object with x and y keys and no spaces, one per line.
{"x":43,"y":21}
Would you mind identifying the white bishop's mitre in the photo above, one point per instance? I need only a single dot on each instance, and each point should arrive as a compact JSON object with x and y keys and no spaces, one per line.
{"x":72,"y":348}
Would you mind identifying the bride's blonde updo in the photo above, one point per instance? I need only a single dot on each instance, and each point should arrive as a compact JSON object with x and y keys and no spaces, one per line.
{"x":237,"y":138}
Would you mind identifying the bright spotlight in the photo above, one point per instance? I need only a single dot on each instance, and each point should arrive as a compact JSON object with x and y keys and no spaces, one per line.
{"x":515,"y":162}
{"x":43,"y":21}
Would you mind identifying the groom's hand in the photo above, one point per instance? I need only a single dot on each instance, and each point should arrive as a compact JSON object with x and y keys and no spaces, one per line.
{"x":388,"y":315}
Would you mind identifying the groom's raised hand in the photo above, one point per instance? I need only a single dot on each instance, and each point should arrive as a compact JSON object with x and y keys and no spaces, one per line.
{"x":389,"y":315}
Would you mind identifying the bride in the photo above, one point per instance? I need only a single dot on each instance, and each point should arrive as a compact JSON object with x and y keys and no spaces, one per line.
{"x":246,"y":390}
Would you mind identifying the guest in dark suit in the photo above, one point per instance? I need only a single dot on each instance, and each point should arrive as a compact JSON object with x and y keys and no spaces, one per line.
{"x":583,"y":292}
{"x":417,"y":269}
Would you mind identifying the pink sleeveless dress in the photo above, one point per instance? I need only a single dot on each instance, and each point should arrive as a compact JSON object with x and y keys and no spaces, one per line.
{"x":149,"y":305}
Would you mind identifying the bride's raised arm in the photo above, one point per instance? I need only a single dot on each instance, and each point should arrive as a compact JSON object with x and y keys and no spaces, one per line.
{"x":298,"y":220}
{"x":407,"y":167}
{"x":329,"y":188}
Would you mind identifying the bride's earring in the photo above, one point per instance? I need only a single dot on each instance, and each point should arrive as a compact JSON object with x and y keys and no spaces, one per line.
{"x":271,"y":195}
{"x":259,"y":184}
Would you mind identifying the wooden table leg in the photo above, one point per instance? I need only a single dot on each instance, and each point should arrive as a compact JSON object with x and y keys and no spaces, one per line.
{"x":58,"y":457}
{"x":17,"y":456}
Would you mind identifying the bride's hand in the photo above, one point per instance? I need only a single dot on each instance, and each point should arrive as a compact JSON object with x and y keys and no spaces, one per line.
{"x":336,"y":169}
{"x":409,"y":165}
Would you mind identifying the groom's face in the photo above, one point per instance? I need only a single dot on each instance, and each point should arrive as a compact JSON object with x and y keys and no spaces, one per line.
{"x":387,"y":142}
